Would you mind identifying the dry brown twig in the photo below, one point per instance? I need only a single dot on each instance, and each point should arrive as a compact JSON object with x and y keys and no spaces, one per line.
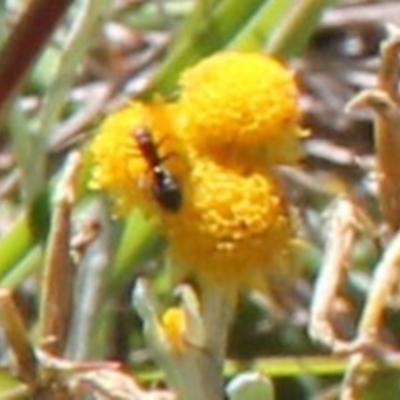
{"x":13,"y":325}
{"x":339,"y":244}
{"x":26,"y":41}
{"x":59,"y":269}
{"x":385,"y":102}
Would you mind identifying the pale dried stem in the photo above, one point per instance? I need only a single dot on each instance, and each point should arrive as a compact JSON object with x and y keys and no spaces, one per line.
{"x":342,"y":231}
{"x":217,"y":309}
{"x":350,"y":386}
{"x":109,"y":384}
{"x":59,"y":269}
{"x":383,"y":284}
{"x":88,"y":231}
{"x":388,"y":75}
{"x":385,"y":102}
{"x":341,"y":236}
{"x":387,"y":144}
{"x":90,"y":283}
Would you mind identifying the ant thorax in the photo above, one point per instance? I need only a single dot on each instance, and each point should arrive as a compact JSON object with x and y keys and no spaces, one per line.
{"x":164,"y":186}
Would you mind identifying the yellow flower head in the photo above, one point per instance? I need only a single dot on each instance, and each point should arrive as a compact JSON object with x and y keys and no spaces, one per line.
{"x":123,"y":168}
{"x":241,"y":108}
{"x":237,"y":114}
{"x":232,"y":228}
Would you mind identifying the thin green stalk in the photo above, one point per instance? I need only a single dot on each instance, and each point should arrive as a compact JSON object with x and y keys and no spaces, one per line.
{"x":23,"y":141}
{"x":140,"y":241}
{"x":201,"y":10}
{"x":289,"y":38}
{"x":80,"y":39}
{"x":218,"y":308}
{"x":24,"y":268}
{"x":253,"y":35}
{"x":283,"y":26}
{"x":319,"y":366}
{"x":3,"y":25}
{"x":295,"y":366}
{"x":208,"y":33}
{"x":14,"y":245}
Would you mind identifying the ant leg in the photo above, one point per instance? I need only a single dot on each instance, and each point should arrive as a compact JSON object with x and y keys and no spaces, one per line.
{"x":169,"y":154}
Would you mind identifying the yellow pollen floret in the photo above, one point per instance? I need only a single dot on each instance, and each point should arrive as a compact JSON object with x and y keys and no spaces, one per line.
{"x":241,"y":108}
{"x":233,"y":226}
{"x":174,"y":324}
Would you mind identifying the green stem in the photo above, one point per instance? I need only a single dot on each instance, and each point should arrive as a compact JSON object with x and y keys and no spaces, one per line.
{"x":296,"y":366}
{"x":210,"y":30}
{"x":139,"y":242}
{"x":80,"y":39}
{"x":217,"y":309}
{"x":253,"y":35}
{"x":3,"y":24}
{"x":15,"y":245}
{"x":284,"y":25}
{"x":24,"y":144}
{"x":289,"y":37}
{"x":319,"y":366}
{"x":25,"y":267}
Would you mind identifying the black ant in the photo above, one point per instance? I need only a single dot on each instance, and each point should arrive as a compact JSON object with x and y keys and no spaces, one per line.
{"x":165,"y":188}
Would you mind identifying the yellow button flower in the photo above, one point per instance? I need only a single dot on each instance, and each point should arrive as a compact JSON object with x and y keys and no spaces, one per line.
{"x":232,"y":228}
{"x":242,"y":109}
{"x":237,"y":115}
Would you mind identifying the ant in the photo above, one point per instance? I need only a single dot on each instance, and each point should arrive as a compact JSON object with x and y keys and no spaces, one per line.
{"x":165,"y":188}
